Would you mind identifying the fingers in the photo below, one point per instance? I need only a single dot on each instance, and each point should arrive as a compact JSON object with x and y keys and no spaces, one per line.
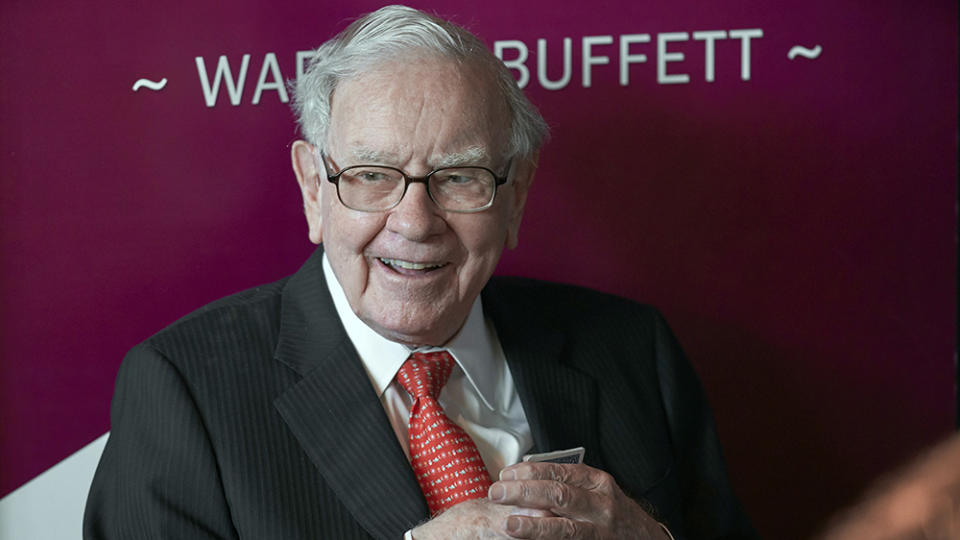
{"x":552,"y":528}
{"x":557,"y":497}
{"x":586,"y":503}
{"x":532,"y":512}
{"x":567,"y":490}
{"x":582,"y":476}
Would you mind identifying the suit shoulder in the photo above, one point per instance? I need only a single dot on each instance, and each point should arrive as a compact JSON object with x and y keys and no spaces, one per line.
{"x":586,"y":319}
{"x":235,"y":322}
{"x":561,"y":299}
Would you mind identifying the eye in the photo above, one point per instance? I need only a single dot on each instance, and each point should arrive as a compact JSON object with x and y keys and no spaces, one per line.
{"x":456,"y":177}
{"x":372,"y":176}
{"x":368,"y":175}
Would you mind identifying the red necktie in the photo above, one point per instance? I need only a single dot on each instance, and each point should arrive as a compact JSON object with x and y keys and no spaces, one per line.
{"x":447,"y":464}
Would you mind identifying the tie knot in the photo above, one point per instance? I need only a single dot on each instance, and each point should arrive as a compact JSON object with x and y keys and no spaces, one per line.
{"x":424,"y":374}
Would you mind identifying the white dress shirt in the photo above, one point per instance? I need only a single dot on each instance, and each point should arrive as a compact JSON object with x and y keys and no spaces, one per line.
{"x":480,"y":396}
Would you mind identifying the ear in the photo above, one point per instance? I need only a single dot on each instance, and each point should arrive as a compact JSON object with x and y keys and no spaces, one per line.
{"x":308,"y":171}
{"x":521,"y":186}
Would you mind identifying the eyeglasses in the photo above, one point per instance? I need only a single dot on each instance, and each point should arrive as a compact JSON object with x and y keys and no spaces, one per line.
{"x":375,"y":188}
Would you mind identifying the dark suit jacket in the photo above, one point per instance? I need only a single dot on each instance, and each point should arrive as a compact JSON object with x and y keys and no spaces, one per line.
{"x":253,"y":418}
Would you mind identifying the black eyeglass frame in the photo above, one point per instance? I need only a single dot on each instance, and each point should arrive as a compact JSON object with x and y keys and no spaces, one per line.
{"x":425,"y":180}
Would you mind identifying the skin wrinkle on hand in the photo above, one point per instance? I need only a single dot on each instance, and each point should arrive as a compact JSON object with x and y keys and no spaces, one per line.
{"x":586,"y":501}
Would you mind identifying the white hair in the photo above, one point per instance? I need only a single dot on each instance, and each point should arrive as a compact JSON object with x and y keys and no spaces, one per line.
{"x":383,"y":35}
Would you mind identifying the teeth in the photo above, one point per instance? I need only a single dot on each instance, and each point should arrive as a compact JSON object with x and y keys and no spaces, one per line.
{"x":407,"y":265}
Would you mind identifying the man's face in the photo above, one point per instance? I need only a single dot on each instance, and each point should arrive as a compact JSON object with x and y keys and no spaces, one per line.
{"x":412,"y":272}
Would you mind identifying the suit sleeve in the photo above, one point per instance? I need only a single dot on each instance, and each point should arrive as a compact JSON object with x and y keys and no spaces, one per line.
{"x":158,"y":476}
{"x":710,"y":510}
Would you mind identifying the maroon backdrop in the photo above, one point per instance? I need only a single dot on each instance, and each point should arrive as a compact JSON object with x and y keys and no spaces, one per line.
{"x":796,"y":223}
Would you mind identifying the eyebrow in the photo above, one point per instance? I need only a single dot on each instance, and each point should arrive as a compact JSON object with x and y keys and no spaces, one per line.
{"x":472,"y":155}
{"x":369,"y":155}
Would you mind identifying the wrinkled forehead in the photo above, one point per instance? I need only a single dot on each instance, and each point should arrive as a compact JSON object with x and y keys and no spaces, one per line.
{"x":452,"y":110}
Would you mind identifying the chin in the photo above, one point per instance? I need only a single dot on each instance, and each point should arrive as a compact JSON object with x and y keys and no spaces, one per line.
{"x":411,"y":337}
{"x":417,"y":332}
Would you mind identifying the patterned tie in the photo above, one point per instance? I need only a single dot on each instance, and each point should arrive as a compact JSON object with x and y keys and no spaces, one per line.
{"x":447,"y":464}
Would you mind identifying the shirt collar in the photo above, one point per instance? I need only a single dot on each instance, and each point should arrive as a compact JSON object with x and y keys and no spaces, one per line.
{"x":473,"y":347}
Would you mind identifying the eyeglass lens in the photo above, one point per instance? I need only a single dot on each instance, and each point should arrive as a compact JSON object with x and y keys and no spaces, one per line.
{"x":379,"y":188}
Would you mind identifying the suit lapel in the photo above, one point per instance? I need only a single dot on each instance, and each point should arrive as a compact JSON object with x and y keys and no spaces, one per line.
{"x":335,"y":414}
{"x":559,"y":400}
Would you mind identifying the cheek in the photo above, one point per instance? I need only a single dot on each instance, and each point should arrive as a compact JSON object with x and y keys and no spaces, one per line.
{"x":346,"y":235}
{"x":350,"y":237}
{"x":345,"y":231}
{"x":484,"y":241}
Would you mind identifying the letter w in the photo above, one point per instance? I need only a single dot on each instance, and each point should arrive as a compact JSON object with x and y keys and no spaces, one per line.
{"x":223,"y":72}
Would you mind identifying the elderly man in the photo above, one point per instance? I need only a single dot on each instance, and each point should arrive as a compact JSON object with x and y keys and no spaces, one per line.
{"x":390,"y":388}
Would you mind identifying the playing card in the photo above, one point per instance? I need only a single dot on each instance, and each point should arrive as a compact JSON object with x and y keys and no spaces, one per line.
{"x":573,"y":455}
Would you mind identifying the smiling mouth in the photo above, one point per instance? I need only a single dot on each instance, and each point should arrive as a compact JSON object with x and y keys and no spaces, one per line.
{"x":403,"y":266}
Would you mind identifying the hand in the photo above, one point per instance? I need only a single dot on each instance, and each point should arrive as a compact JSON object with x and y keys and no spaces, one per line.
{"x":586,"y":503}
{"x":478,"y":518}
{"x":920,"y":501}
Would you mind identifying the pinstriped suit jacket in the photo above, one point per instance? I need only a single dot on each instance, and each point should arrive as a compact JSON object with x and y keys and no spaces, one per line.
{"x":253,"y":418}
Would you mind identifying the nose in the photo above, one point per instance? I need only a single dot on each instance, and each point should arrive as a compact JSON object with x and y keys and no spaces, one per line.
{"x":416,"y":218}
